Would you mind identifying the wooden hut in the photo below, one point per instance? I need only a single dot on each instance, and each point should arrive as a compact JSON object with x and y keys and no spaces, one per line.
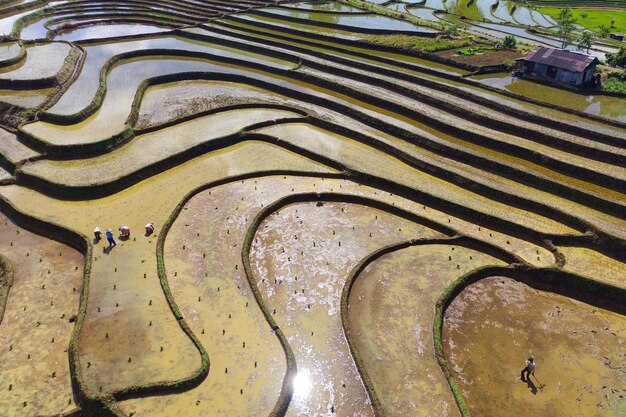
{"x":559,"y":66}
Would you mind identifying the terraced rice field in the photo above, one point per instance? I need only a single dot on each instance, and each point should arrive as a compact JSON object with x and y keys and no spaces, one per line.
{"x":341,"y":228}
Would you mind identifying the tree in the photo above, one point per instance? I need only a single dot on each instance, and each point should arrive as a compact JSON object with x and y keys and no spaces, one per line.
{"x":603,"y":31}
{"x":509,"y":42}
{"x":565,"y":24}
{"x":617,"y":59}
{"x":585,"y":41}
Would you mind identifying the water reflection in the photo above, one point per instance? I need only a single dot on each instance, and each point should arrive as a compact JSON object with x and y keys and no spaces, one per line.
{"x":604,"y":106}
{"x":302,"y":384}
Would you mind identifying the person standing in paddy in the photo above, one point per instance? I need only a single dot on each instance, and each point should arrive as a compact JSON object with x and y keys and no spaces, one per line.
{"x":110,"y":238}
{"x":529,"y":369}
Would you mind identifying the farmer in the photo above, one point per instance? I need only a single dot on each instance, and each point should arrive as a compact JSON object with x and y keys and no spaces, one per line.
{"x":97,"y":233}
{"x":110,"y":239}
{"x":149,"y":228}
{"x":529,"y":368}
{"x":125,"y":231}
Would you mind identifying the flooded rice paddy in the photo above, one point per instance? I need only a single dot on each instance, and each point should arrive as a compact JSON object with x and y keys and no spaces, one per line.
{"x":391,"y":318}
{"x":322,"y":207}
{"x":495,"y":324}
{"x":605,"y":106}
{"x":38,"y":322}
{"x":303,"y":291}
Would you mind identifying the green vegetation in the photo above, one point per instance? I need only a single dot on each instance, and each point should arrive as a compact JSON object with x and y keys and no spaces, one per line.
{"x":566,"y":24}
{"x":618,"y":59}
{"x":596,"y":20}
{"x":509,"y":42}
{"x":615,"y":83}
{"x":585,"y":41}
{"x":417,"y":43}
{"x":473,"y":50}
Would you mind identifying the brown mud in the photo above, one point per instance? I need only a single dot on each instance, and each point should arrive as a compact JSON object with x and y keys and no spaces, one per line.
{"x":580,"y":350}
{"x":391,"y":311}
{"x":125,"y":310}
{"x":38,"y":323}
{"x":301,"y":258}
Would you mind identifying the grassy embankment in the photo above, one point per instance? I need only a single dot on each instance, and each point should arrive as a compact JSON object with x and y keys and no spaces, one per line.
{"x":615,"y":83}
{"x":417,"y":43}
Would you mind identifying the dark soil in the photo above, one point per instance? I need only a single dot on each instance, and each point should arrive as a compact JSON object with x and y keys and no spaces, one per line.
{"x":481,"y":59}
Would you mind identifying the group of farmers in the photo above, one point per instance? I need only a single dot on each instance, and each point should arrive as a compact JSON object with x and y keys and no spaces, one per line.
{"x":124,"y":233}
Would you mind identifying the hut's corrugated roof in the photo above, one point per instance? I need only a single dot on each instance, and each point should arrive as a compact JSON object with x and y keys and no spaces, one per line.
{"x":560,"y":58}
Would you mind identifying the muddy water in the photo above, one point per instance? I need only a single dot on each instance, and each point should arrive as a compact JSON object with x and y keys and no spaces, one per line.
{"x":166,"y":102}
{"x":203,"y":260}
{"x":35,"y":331}
{"x":108,"y":31}
{"x":212,"y":260}
{"x":300,"y":259}
{"x":111,"y":117}
{"x":422,"y":13}
{"x":9,"y":50}
{"x":7,"y":22}
{"x":358,"y":21}
{"x":391,"y":317}
{"x":361,"y":157}
{"x":389,"y":55}
{"x":590,"y":263}
{"x":12,"y":150}
{"x":83,"y":90}
{"x":127,"y":323}
{"x":35,"y":31}
{"x":604,"y":106}
{"x":129,"y":335}
{"x":580,"y":351}
{"x":468,"y":146}
{"x":527,"y":106}
{"x":26,"y":98}
{"x":328,"y":6}
{"x":151,"y":148}
{"x":42,"y":61}
{"x":546,"y":112}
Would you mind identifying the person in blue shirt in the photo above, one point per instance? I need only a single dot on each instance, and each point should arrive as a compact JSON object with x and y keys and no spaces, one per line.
{"x":110,"y":239}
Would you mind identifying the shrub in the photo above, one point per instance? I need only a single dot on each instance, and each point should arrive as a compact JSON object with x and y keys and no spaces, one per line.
{"x":617,"y":59}
{"x":619,"y":76}
{"x":509,"y":42}
{"x":615,"y":83}
{"x":509,"y":64}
